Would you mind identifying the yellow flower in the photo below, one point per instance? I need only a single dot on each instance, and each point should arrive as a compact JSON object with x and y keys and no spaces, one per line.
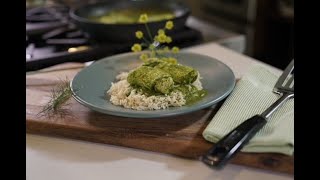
{"x":175,"y":49}
{"x":161,"y":31}
{"x":143,"y":18}
{"x":168,"y":39}
{"x":161,"y":38}
{"x":172,"y":60}
{"x":144,"y":57}
{"x":169,"y":25}
{"x":136,"y":47}
{"x":139,"y":34}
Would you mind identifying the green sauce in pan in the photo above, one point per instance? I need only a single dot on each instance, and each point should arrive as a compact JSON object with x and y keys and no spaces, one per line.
{"x":130,"y":16}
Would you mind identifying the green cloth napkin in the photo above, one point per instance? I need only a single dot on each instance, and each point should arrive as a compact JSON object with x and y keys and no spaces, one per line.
{"x":252,"y":95}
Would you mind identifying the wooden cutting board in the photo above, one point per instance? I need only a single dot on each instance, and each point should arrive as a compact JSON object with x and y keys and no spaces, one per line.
{"x":179,"y":135}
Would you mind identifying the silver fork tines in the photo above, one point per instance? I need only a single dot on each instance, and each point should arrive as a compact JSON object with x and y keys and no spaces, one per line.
{"x":285,"y":82}
{"x":284,"y":88}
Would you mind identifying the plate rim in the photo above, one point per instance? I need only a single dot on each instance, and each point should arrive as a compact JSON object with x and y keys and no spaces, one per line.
{"x":158,"y":113}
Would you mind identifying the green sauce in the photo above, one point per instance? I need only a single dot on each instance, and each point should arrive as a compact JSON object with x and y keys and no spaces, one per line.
{"x":192,"y":94}
{"x":130,"y":16}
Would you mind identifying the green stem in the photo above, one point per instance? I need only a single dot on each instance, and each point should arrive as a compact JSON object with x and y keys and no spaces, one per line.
{"x":148,"y":31}
{"x":148,"y":42}
{"x":144,"y":44}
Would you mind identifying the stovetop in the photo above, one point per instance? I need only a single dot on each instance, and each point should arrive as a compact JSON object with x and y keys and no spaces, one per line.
{"x":52,"y":39}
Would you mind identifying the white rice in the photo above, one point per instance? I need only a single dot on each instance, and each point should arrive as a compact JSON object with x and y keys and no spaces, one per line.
{"x":122,"y":94}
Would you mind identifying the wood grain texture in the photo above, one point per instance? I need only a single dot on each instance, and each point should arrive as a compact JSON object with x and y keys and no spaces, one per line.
{"x":180,"y":135}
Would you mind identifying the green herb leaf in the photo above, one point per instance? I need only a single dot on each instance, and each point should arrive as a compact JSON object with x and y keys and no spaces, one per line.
{"x":59,"y":96}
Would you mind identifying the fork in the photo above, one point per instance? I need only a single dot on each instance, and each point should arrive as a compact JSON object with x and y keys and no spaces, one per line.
{"x":225,"y":149}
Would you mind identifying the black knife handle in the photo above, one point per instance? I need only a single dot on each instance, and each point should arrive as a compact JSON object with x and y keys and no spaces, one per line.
{"x":230,"y":144}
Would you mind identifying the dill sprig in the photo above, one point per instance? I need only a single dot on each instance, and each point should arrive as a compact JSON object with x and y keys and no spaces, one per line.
{"x":59,"y":96}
